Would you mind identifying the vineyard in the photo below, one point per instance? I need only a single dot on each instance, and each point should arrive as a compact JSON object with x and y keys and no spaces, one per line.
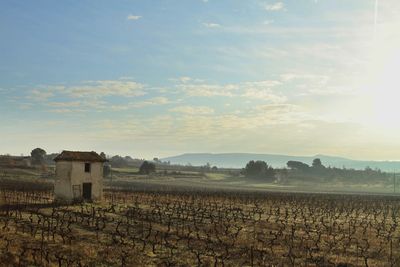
{"x":168,"y":227}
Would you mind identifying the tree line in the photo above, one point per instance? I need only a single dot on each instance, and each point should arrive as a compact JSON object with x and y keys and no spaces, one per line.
{"x":300,"y":171}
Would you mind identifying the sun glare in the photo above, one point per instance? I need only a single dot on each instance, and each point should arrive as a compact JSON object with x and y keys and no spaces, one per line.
{"x":383,"y":80}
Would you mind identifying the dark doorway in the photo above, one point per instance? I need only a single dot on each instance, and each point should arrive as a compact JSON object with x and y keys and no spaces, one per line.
{"x":87,"y":191}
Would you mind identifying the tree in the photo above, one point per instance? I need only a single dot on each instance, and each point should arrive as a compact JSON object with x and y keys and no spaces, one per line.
{"x":259,"y":169}
{"x":38,"y":156}
{"x":118,"y":162}
{"x":317,"y":164}
{"x":205,"y":168}
{"x":297,"y":165}
{"x":103,"y":155}
{"x":147,"y":168}
{"x":106,"y":170}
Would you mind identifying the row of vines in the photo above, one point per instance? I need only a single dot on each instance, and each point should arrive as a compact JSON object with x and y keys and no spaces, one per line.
{"x":177,"y":228}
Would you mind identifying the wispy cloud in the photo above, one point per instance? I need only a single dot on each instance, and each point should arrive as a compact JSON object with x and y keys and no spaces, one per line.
{"x":268,"y":21}
{"x":257,"y":90}
{"x":98,"y":89}
{"x":211,"y":25}
{"x":65,"y":104}
{"x":186,"y":79}
{"x":208,"y":90}
{"x":89,"y":89}
{"x":133,"y":17}
{"x":278,"y":6}
{"x":155,"y":101}
{"x":89,"y":96}
{"x":265,"y":95}
{"x":193,"y":110}
{"x":38,"y":95}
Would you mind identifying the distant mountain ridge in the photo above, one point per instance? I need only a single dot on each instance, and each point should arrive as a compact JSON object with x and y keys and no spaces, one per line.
{"x":239,"y":160}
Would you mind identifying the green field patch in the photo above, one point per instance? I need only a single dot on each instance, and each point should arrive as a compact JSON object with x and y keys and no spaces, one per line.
{"x":126,"y":170}
{"x":217,"y":176}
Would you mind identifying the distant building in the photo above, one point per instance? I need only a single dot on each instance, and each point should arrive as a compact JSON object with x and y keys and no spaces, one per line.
{"x":79,"y":175}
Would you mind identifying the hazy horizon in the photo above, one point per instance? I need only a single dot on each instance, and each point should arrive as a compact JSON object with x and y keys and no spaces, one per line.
{"x":150,"y":157}
{"x":163,"y":78}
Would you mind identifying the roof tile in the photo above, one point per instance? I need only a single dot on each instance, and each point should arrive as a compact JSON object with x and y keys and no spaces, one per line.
{"x":79,"y":156}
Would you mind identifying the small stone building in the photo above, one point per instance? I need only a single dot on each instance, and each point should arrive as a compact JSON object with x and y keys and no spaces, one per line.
{"x":79,"y":176}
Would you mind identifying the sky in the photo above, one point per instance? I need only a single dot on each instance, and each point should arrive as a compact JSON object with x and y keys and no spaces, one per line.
{"x":164,"y":77}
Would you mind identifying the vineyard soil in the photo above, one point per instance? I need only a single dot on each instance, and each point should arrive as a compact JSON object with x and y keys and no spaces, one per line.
{"x":175,"y":227}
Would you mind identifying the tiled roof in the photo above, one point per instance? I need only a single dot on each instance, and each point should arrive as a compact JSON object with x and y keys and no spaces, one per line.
{"x":79,"y":156}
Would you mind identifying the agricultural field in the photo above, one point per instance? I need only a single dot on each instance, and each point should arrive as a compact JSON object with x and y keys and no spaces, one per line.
{"x":150,"y":225}
{"x":226,"y":182}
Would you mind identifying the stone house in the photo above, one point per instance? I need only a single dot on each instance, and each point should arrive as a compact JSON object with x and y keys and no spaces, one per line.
{"x":79,"y":176}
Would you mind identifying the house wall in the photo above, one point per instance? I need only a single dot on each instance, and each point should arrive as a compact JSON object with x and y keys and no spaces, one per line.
{"x":62,"y":186}
{"x":72,"y":173}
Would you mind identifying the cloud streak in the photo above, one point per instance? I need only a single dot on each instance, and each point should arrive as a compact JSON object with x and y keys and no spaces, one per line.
{"x":211,"y":25}
{"x":133,"y":17}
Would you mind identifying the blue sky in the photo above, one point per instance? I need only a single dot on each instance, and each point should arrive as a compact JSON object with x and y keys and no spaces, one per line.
{"x":158,"y":78}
